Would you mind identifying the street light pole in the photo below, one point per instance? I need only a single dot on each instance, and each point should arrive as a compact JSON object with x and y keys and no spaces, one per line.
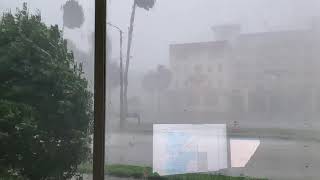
{"x":121,"y":76}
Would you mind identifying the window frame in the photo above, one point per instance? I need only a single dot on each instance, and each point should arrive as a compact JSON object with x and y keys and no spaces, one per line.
{"x":99,"y":89}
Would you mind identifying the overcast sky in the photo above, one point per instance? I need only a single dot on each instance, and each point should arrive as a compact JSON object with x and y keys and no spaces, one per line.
{"x":179,"y":21}
{"x":51,"y":13}
{"x":183,"y":21}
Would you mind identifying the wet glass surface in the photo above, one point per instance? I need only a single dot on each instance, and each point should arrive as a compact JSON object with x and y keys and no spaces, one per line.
{"x":250,"y":65}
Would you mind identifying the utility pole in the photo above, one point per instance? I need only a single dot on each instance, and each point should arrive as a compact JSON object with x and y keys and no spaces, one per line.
{"x":122,"y":117}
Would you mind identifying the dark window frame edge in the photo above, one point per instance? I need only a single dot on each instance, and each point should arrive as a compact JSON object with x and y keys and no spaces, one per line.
{"x":99,"y":89}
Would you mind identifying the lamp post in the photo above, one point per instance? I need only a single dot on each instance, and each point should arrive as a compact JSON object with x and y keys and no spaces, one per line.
{"x":121,"y":75}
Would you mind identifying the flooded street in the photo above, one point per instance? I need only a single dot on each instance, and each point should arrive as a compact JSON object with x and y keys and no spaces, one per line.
{"x":278,"y":157}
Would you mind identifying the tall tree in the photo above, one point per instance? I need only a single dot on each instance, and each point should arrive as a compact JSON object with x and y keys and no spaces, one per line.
{"x":45,"y":104}
{"x":145,"y":4}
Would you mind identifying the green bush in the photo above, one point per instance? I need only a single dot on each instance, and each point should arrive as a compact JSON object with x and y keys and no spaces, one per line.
{"x":208,"y":177}
{"x":131,"y":171}
{"x":140,"y":172}
{"x":85,"y":168}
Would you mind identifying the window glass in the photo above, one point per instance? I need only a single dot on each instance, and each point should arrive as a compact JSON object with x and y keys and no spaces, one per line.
{"x":214,"y":87}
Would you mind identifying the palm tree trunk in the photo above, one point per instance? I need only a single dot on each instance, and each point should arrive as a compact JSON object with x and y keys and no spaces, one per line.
{"x":125,"y":91}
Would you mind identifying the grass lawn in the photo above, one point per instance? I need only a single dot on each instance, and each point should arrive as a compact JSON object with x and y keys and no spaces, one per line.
{"x":118,"y":170}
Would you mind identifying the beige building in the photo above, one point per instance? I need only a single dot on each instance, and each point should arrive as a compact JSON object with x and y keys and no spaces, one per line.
{"x":201,"y":73}
{"x":263,"y":72}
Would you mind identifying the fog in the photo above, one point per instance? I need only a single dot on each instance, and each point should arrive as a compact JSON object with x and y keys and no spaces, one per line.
{"x":250,"y":65}
{"x":51,"y":13}
{"x":178,"y":21}
{"x":182,"y":21}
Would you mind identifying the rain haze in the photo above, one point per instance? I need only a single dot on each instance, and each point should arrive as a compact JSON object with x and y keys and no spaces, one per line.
{"x":244,"y":72}
{"x":179,"y":21}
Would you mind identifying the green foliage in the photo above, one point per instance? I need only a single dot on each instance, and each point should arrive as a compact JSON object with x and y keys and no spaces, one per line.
{"x":138,"y":172}
{"x":141,"y":172}
{"x":85,"y":168}
{"x":129,"y":171}
{"x":45,"y":107}
{"x":208,"y":177}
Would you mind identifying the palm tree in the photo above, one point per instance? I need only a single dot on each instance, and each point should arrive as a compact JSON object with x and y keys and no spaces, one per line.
{"x":73,"y":16}
{"x":145,"y":4}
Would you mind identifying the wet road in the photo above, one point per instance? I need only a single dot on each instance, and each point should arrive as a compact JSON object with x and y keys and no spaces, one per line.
{"x":276,"y":158}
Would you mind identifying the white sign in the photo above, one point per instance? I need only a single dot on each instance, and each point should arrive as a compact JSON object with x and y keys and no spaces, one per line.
{"x":189,"y":148}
